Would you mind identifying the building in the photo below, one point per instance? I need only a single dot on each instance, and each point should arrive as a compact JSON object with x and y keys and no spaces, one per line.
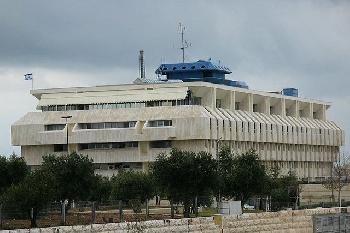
{"x":193,"y":108}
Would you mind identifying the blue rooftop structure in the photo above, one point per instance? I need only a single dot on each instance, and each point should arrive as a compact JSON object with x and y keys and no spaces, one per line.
{"x":201,"y":70}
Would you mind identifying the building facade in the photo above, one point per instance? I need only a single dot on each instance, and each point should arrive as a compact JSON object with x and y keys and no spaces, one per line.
{"x":127,"y":126}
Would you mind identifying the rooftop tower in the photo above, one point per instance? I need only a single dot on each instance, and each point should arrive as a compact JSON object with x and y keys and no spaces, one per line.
{"x":207,"y":71}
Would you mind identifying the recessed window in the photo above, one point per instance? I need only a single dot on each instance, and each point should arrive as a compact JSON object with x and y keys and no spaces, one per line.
{"x":108,"y":125}
{"x":60,"y":147}
{"x":202,"y":67}
{"x":61,"y":108}
{"x":192,"y":67}
{"x":174,"y":68}
{"x":184,"y":67}
{"x":218,"y":103}
{"x":54,"y":127}
{"x":161,"y":144}
{"x":160,"y":123}
{"x":255,"y":107}
{"x":108,"y":145}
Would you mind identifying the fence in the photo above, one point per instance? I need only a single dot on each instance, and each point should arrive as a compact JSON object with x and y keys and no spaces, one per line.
{"x":84,"y":213}
{"x":331,"y":223}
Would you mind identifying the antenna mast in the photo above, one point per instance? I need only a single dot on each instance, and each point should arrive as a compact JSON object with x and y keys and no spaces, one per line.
{"x":184,"y":43}
{"x":142,"y":65}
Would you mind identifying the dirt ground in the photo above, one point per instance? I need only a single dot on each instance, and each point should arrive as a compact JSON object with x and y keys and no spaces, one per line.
{"x":80,"y":218}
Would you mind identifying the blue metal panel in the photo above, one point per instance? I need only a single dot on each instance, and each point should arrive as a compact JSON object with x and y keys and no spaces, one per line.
{"x":234,"y":83}
{"x":290,"y":92}
{"x":190,"y":76}
{"x":193,"y":66}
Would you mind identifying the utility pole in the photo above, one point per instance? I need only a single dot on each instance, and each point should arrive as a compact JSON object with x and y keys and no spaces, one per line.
{"x":67,"y":136}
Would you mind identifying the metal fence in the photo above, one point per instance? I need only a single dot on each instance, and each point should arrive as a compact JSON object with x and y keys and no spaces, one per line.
{"x":84,"y":213}
{"x":331,"y":223}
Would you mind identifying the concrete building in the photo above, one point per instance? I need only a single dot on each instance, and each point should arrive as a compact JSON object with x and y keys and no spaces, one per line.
{"x":127,"y":126}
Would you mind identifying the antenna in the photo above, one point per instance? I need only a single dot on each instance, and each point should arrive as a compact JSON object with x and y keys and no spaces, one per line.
{"x":184,"y":43}
{"x":142,"y":65}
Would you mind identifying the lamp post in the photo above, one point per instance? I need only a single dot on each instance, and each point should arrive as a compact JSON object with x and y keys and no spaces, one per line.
{"x":67,"y":117}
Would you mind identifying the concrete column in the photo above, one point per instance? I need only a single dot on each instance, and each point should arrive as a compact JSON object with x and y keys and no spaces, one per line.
{"x":231,"y":100}
{"x":250,"y":102}
{"x":267,"y":103}
{"x":324,"y":109}
{"x":283,"y":107}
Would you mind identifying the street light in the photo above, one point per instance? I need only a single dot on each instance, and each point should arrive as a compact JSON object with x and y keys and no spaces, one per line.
{"x":67,"y":117}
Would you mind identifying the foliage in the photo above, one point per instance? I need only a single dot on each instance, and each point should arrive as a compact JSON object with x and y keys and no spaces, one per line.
{"x":31,"y":194}
{"x":226,"y":171}
{"x":283,"y":189}
{"x":101,"y":189}
{"x":130,"y":185}
{"x":73,"y":175}
{"x":240,"y":176}
{"x":338,"y":179}
{"x":184,"y":175}
{"x":249,"y":176}
{"x":12,"y":171}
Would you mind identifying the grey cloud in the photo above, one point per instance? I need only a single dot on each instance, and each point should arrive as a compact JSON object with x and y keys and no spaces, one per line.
{"x":270,"y":44}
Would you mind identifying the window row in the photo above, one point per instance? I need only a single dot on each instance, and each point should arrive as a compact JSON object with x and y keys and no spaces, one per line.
{"x":274,"y":110}
{"x":108,"y":145}
{"x":160,"y":123}
{"x":258,"y":127}
{"x":107,"y":125}
{"x":187,"y":101}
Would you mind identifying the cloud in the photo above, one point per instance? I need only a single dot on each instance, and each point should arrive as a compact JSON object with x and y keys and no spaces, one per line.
{"x":270,"y":44}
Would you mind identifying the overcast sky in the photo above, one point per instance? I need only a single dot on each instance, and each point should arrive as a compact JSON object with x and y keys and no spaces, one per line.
{"x":268,"y":44}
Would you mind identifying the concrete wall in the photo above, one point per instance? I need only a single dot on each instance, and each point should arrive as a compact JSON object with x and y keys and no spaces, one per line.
{"x":316,"y":193}
{"x":276,"y":222}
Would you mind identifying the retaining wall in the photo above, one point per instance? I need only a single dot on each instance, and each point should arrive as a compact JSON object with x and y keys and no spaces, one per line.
{"x":299,"y":221}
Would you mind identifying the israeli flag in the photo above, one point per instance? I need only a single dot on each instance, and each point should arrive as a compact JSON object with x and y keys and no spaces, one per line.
{"x":28,"y":77}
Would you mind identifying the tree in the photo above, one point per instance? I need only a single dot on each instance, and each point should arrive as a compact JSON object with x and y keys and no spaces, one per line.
{"x":73,"y":176}
{"x":12,"y":171}
{"x":225,"y":172}
{"x":338,"y":178}
{"x":136,"y":187}
{"x":283,"y":189}
{"x":249,"y":176}
{"x":183,"y":176}
{"x":101,"y":189}
{"x":30,"y":195}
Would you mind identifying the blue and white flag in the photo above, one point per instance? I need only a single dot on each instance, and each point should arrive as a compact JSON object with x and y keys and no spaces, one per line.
{"x":28,"y":77}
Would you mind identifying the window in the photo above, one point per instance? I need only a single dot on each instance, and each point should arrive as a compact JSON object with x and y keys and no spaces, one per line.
{"x":237,"y":105}
{"x":61,"y":107}
{"x":255,"y":107}
{"x":160,"y":123}
{"x":196,"y":100}
{"x":108,"y":145}
{"x":218,"y":103}
{"x":60,"y":147}
{"x":52,"y":108}
{"x":108,"y":125}
{"x":207,"y":73}
{"x":54,"y":127}
{"x":160,"y":144}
